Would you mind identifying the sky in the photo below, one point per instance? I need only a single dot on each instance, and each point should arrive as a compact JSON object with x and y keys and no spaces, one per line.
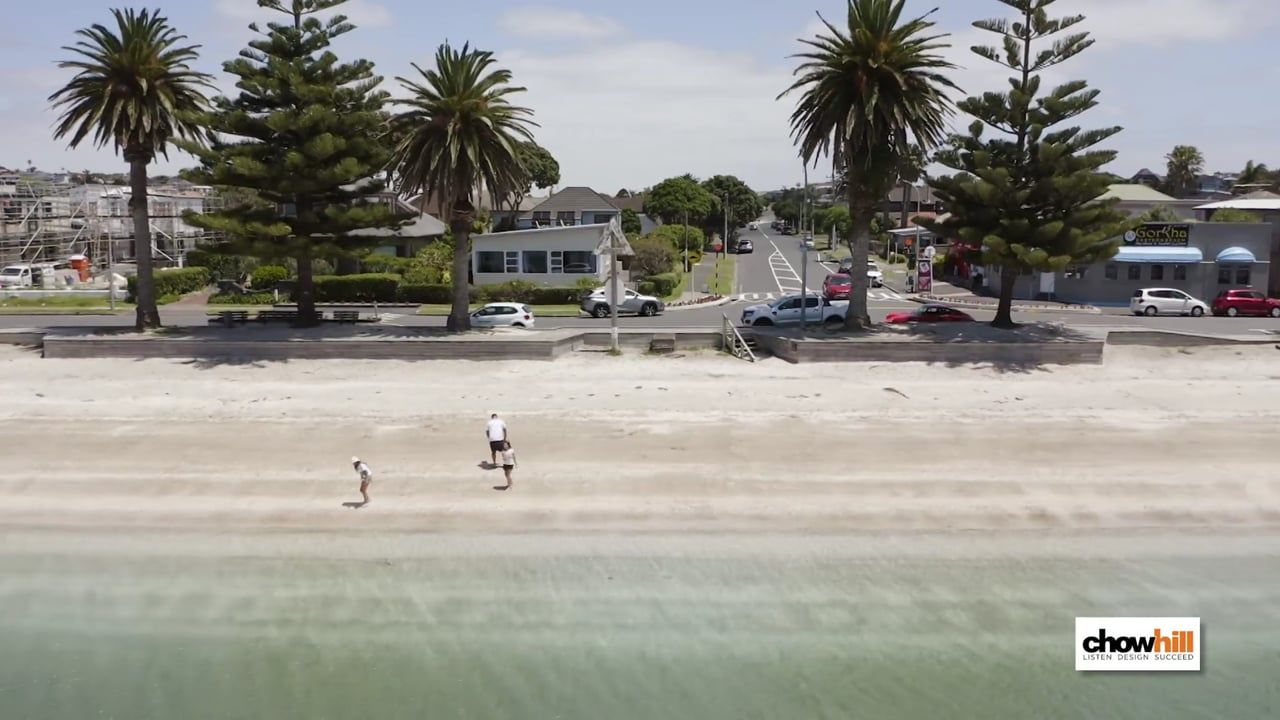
{"x":629,"y":93}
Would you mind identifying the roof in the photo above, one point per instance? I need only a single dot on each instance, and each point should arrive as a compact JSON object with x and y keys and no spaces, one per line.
{"x":575,"y":198}
{"x":423,"y":226}
{"x":1134,"y":192}
{"x":634,"y":203}
{"x":534,"y":231}
{"x":1159,"y":255}
{"x":1147,"y":172}
{"x":1243,"y":204}
{"x":1259,"y":195}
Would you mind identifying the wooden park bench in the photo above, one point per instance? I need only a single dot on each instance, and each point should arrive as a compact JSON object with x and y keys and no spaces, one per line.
{"x":346,"y":316}
{"x":284,"y":316}
{"x":233,"y":317}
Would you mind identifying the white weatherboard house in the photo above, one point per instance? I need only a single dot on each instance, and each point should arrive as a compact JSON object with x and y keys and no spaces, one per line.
{"x":553,"y":257}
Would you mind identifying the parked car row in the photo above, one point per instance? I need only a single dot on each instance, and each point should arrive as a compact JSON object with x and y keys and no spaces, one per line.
{"x":1229,"y":303}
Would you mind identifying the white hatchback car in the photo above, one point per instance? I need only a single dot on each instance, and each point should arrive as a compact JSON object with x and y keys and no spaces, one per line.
{"x":503,"y":314}
{"x":1165,"y":301}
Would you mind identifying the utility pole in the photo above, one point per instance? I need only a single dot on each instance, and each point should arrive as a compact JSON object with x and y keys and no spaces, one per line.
{"x":804,"y":256}
{"x":724,"y":243}
{"x":111,"y":271}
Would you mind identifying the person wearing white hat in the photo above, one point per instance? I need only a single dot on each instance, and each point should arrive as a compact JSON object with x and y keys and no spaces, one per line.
{"x":366,"y":477}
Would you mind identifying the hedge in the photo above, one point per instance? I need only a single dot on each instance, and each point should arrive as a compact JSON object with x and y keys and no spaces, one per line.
{"x":221,"y":267}
{"x":646,"y":287}
{"x":268,"y":275}
{"x":261,"y":298}
{"x":174,"y":281}
{"x":443,"y":294}
{"x":371,"y":287}
{"x":664,"y":284}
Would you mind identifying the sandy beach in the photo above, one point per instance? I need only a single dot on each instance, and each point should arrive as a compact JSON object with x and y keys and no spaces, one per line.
{"x":687,"y":537}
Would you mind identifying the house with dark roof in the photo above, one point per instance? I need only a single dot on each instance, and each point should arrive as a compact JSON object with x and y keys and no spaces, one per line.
{"x":571,"y":206}
{"x":1146,"y":177}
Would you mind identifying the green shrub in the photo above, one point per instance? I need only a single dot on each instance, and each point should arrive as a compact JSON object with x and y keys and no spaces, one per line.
{"x":653,"y":256}
{"x":174,"y":281}
{"x":646,"y":287}
{"x":372,"y":287}
{"x":383,"y":263}
{"x":424,"y":294}
{"x":587,"y":284}
{"x":557,"y":296}
{"x":268,"y":275}
{"x":420,"y":274}
{"x":260,"y":298}
{"x":520,"y":291}
{"x":222,"y":267}
{"x":665,"y":283}
{"x":675,"y":234}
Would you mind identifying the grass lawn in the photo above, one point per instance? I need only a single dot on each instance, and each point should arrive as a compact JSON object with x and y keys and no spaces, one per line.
{"x":721,"y":280}
{"x":538,"y":310}
{"x":60,"y":305}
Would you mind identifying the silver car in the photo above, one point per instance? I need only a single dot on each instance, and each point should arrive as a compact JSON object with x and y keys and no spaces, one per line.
{"x":597,"y":304}
{"x":1165,"y":301}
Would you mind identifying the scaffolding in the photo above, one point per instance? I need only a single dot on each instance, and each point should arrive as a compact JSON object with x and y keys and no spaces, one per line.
{"x":44,"y":222}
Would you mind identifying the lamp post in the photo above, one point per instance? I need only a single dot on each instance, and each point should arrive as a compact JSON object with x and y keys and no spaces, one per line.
{"x":804,"y":257}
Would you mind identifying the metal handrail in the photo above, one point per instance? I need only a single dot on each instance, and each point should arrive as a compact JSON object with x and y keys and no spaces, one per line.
{"x":733,"y":340}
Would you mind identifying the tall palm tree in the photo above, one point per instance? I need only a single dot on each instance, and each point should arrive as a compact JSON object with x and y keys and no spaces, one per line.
{"x":460,"y":134}
{"x":1184,"y":163}
{"x":133,"y":88}
{"x":869,"y":89}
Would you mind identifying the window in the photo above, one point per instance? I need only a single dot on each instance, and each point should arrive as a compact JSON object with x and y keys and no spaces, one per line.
{"x":1113,"y":272}
{"x":603,"y":218}
{"x":535,"y":261}
{"x":566,"y":217}
{"x":1135,"y":272}
{"x":542,"y":218}
{"x":1224,"y":275}
{"x":557,"y":262}
{"x":579,"y":262}
{"x":513,"y":262}
{"x":792,"y":304}
{"x":1157,"y":272}
{"x":1179,"y":272}
{"x":489,"y":262}
{"x":1242,"y":275}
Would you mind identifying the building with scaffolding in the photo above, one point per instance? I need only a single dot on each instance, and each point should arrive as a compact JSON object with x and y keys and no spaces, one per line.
{"x":45,"y":221}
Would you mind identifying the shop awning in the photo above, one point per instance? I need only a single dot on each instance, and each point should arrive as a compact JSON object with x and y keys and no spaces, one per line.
{"x":1171,"y":255}
{"x":1236,"y":255}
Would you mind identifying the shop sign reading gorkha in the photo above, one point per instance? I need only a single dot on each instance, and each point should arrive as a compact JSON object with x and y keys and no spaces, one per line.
{"x":1159,"y":235}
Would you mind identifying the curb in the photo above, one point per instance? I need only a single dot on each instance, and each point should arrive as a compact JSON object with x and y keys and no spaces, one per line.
{"x":694,"y":306}
{"x":925,"y":298}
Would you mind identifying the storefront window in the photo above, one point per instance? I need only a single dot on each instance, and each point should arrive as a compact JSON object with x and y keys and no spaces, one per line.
{"x":1242,"y":275}
{"x":1179,"y":272}
{"x":1135,"y":272}
{"x":1113,"y":272}
{"x":1224,"y":275}
{"x":1157,"y":272}
{"x":579,"y":263}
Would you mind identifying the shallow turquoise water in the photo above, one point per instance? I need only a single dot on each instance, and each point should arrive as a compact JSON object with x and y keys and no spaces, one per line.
{"x":671,"y":634}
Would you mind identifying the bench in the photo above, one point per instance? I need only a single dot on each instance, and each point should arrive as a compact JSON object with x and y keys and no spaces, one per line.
{"x":283,"y":315}
{"x":346,"y":316}
{"x":233,"y":317}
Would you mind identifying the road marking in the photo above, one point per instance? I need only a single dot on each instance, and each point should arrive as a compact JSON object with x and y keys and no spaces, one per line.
{"x":789,"y":269}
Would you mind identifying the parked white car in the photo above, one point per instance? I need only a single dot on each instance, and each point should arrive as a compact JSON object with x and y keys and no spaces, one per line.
{"x":17,"y":276}
{"x":1165,"y":301}
{"x":786,"y":310}
{"x":597,"y":304}
{"x":875,"y":277}
{"x":503,"y":314}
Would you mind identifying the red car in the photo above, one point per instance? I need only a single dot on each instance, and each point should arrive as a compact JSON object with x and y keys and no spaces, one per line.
{"x":837,"y":287}
{"x":929,"y":313}
{"x":1233,"y":303}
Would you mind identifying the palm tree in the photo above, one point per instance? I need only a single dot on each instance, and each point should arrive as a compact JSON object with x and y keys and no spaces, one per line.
{"x":1254,"y":174}
{"x":460,"y":134}
{"x":869,"y":90}
{"x":1184,"y":165}
{"x":133,"y":88}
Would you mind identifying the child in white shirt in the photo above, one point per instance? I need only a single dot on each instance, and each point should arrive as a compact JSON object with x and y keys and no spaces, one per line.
{"x":366,"y":477}
{"x":508,"y":462}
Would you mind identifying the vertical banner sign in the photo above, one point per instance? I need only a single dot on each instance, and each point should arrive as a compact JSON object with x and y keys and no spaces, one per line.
{"x":924,"y":275}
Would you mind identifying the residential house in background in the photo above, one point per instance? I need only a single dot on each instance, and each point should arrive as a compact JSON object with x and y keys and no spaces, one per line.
{"x":569,"y":207}
{"x":1135,"y":199}
{"x":635,"y":203}
{"x":922,"y":203}
{"x":552,"y":256}
{"x":1146,"y":177}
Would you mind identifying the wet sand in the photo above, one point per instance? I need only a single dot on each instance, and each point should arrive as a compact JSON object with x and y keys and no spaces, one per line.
{"x":693,"y":537}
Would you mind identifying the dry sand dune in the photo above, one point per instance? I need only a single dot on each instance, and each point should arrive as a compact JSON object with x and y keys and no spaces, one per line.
{"x":743,"y":539}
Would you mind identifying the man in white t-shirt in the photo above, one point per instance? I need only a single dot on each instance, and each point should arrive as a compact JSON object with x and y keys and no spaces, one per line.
{"x":496,"y":431}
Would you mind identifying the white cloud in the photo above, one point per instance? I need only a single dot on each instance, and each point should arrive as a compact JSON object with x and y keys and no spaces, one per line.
{"x":1117,"y":24}
{"x":632,"y":113}
{"x":363,"y":13}
{"x":555,"y":24}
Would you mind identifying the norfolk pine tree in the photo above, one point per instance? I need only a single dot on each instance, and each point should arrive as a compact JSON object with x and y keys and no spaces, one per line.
{"x":306,"y":134}
{"x":1029,"y":197}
